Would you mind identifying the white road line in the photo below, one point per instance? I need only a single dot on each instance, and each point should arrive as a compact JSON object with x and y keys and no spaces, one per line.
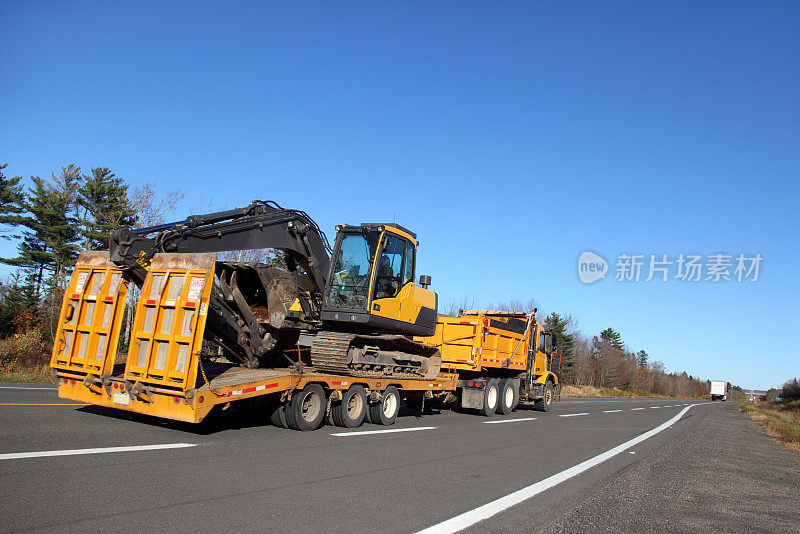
{"x":634,"y":409}
{"x":573,"y":414}
{"x":19,"y":387}
{"x":655,"y":407}
{"x":509,"y":420}
{"x":389,"y":431}
{"x":467,"y":519}
{"x":611,"y":411}
{"x":74,"y":452}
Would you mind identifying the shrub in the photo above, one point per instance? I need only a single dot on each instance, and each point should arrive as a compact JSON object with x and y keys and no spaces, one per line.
{"x":790,"y":390}
{"x":24,"y":351}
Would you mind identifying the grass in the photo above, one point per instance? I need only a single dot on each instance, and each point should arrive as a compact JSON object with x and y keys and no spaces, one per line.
{"x":9,"y":373}
{"x":592,"y":391}
{"x":780,"y":420}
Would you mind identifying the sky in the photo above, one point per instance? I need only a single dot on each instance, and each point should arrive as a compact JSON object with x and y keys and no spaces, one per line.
{"x":510,"y":137}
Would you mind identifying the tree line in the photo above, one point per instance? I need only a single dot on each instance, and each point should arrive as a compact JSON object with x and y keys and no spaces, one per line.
{"x":51,"y":220}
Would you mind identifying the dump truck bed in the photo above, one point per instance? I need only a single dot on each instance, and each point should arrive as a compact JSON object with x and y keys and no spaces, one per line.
{"x":482,"y":339}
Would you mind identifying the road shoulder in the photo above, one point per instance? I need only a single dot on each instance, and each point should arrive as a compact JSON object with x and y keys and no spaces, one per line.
{"x":723,"y":474}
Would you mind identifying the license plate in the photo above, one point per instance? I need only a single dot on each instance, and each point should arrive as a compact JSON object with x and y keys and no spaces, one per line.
{"x":121,"y":398}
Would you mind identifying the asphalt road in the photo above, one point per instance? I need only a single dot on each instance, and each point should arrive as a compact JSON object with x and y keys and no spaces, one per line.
{"x":236,"y":473}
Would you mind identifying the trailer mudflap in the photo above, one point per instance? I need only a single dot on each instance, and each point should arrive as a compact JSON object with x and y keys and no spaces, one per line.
{"x":170,"y":319}
{"x":91,"y":317}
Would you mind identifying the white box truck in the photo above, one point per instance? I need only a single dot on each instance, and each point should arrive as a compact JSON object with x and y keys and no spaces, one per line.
{"x":719,"y":390}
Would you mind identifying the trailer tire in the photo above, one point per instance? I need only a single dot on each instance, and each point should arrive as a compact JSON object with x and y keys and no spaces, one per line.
{"x":544,"y":404}
{"x":306,"y":410}
{"x":385,"y":412}
{"x":491,"y":397}
{"x":509,"y":396}
{"x":277,"y":414}
{"x":351,"y":411}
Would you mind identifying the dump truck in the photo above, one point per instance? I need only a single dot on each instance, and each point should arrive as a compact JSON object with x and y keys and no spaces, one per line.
{"x":501,"y":358}
{"x":328,"y":333}
{"x":719,"y":390}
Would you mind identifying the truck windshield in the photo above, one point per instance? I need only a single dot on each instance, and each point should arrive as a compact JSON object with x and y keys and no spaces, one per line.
{"x":349,"y":285}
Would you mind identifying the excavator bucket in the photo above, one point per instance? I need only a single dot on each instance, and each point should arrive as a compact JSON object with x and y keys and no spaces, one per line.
{"x":91,"y":317}
{"x":171,"y":314}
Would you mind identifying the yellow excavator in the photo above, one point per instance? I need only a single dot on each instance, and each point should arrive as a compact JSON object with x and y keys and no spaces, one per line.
{"x":350,"y":310}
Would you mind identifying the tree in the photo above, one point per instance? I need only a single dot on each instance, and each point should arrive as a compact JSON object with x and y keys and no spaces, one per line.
{"x":51,"y":230}
{"x":103,"y":200}
{"x":12,"y":199}
{"x":614,"y":337}
{"x":18,"y":306}
{"x":565,"y":343}
{"x":641,"y":359}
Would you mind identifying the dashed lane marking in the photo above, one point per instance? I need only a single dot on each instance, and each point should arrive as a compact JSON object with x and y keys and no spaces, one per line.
{"x":573,"y":414}
{"x":104,"y":450}
{"x":389,"y":431}
{"x":509,"y":420}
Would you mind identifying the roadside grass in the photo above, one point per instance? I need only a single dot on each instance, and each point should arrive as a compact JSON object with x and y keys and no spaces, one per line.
{"x":781,"y":420}
{"x":14,"y":373}
{"x":592,"y":391}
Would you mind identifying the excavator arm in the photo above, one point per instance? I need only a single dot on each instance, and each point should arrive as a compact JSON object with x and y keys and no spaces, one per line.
{"x":250,"y":301}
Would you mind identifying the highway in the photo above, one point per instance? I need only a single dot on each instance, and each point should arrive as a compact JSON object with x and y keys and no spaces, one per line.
{"x":72,"y":468}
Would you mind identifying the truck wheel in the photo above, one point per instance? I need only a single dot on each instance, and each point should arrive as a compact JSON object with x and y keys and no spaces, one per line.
{"x":491,"y":396}
{"x":544,"y":404}
{"x":350,"y":412}
{"x":385,"y":412}
{"x":277,"y":414}
{"x":509,"y":396}
{"x":306,"y":410}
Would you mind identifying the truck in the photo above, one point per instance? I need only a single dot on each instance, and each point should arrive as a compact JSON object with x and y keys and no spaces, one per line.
{"x":719,"y":390}
{"x":338,"y":334}
{"x":500,"y":357}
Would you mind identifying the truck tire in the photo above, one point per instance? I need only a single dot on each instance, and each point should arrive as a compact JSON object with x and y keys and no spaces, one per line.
{"x":544,"y":404}
{"x":509,"y":396}
{"x":491,"y":397}
{"x":277,"y":414}
{"x":385,"y":412}
{"x":351,"y":410}
{"x":306,"y":410}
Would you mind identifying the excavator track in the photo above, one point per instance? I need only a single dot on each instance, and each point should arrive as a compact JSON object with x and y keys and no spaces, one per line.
{"x":374,"y":356}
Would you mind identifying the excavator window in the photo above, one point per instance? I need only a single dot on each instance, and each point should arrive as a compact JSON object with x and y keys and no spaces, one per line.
{"x":390,"y":268}
{"x":351,"y":269}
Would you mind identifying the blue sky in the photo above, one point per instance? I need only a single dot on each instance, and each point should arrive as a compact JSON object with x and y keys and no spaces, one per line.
{"x":511,"y":137}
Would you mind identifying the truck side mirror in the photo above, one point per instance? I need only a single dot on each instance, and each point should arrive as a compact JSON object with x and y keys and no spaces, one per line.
{"x":424,"y":280}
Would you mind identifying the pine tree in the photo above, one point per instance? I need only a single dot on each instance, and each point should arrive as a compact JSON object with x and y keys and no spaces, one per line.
{"x":565,"y":343}
{"x":12,"y":199}
{"x":613,"y":337}
{"x":18,"y":306}
{"x":641,"y":359}
{"x":51,"y":230}
{"x":103,"y":199}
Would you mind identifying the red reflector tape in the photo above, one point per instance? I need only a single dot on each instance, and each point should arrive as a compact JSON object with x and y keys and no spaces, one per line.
{"x":108,"y":299}
{"x":76,"y":296}
{"x":150,"y":302}
{"x":190,"y":304}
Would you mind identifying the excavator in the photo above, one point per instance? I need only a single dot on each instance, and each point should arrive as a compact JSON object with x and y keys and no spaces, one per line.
{"x":351,"y":309}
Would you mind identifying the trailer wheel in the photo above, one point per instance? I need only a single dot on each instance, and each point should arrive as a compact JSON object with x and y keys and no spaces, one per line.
{"x":544,"y":404}
{"x":350,"y":412}
{"x":491,"y":397}
{"x":277,"y":414}
{"x":509,"y":396}
{"x":385,"y":412}
{"x":306,"y":410}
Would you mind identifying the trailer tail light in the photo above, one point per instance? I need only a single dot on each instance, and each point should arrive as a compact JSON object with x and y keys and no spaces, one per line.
{"x":471,"y":383}
{"x":72,"y":381}
{"x":185,"y":401}
{"x":176,"y":400}
{"x":200,"y":399}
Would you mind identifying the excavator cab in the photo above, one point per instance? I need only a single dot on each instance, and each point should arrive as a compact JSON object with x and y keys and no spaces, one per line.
{"x":371,"y":282}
